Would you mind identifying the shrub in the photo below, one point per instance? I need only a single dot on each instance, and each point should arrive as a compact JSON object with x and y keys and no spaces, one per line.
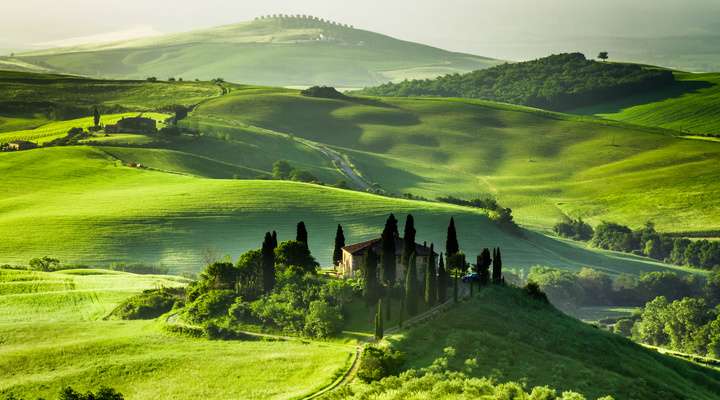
{"x":326,"y":92}
{"x":46,"y":264}
{"x":103,"y":394}
{"x":322,"y":320}
{"x":624,"y":327}
{"x":212,"y":304}
{"x":533,"y":290}
{"x":149,"y":304}
{"x":378,"y":363}
{"x":574,"y":229}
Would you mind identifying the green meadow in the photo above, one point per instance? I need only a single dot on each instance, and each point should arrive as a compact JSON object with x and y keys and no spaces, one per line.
{"x":513,"y":337}
{"x":543,"y":165}
{"x":691,"y":105}
{"x":53,"y":335}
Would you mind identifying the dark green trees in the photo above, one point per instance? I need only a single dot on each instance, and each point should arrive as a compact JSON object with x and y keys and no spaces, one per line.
{"x":431,"y":292}
{"x":371,"y":286}
{"x":302,"y":235}
{"x":412,"y":293}
{"x":281,"y":169}
{"x":409,"y":239}
{"x":451,"y":244}
{"x":497,"y":277}
{"x":443,"y":281}
{"x":268,"y":263}
{"x":379,"y":331}
{"x":297,"y":255}
{"x":388,"y":237}
{"x":483,"y":266}
{"x":604,"y":55}
{"x":96,"y":117}
{"x":274,"y":239}
{"x":339,"y":244}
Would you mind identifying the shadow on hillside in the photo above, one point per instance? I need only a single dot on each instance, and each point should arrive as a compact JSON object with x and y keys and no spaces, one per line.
{"x":677,"y":89}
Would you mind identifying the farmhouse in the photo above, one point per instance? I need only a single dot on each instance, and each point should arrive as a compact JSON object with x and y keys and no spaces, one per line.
{"x":133,"y":125}
{"x":353,"y":257}
{"x":20,"y":145}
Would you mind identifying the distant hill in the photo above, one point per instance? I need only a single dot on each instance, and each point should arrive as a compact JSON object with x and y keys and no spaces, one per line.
{"x":283,"y":51}
{"x":513,"y":337}
{"x":556,"y":82}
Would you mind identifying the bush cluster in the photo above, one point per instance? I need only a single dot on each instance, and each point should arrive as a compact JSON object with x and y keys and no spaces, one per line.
{"x":149,"y":304}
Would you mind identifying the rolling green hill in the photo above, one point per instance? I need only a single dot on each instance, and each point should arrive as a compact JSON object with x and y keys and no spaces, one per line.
{"x":557,"y":82}
{"x":543,"y":165}
{"x":690,"y":105}
{"x":275,"y":51}
{"x":515,"y":338}
{"x":53,"y":335}
{"x":82,"y":205}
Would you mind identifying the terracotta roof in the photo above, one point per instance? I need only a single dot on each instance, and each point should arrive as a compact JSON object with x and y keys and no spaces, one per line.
{"x":359,"y":248}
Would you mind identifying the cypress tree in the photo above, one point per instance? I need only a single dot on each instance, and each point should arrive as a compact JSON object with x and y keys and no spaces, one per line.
{"x":388,"y":302}
{"x":274,"y":240}
{"x":451,"y":244}
{"x":497,"y":266}
{"x":412,"y":294}
{"x":379,"y":331}
{"x":339,"y":244}
{"x":388,"y":250}
{"x":268,"y":263}
{"x":442,"y":283}
{"x":371,"y":287}
{"x":402,"y":310}
{"x":455,"y":285}
{"x":483,"y":265}
{"x":408,"y":239}
{"x":302,"y":235}
{"x":431,"y":280}
{"x":96,"y":117}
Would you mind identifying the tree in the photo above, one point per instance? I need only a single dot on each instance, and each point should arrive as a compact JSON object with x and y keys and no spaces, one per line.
{"x":431,"y":279}
{"x":442,"y":281}
{"x":412,"y":294}
{"x":456,"y":274}
{"x":281,"y":169}
{"x":483,"y":266}
{"x":604,"y":55}
{"x":268,"y":263}
{"x":388,"y":238}
{"x":339,"y":244}
{"x":301,"y":235}
{"x":371,"y":286}
{"x":274,"y":240}
{"x":497,"y":276}
{"x":221,"y":275}
{"x":96,"y":117}
{"x":408,"y":239}
{"x":295,"y":254}
{"x":44,"y":264}
{"x":451,"y":244}
{"x":379,"y":331}
{"x":249,"y":275}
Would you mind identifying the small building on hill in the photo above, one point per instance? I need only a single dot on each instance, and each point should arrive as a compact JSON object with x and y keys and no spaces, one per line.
{"x":139,"y":124}
{"x":20,"y":145}
{"x":353,"y":257}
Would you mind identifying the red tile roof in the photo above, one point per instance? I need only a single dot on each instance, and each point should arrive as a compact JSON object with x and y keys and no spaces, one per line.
{"x":359,"y":248}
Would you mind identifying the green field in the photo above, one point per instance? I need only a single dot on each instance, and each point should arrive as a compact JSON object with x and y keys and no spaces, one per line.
{"x":691,"y":105}
{"x":543,"y":165}
{"x":515,"y":338}
{"x":271,"y":51}
{"x":53,"y":335}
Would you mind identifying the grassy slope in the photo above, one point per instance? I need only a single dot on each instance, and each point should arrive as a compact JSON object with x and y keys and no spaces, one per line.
{"x":691,"y":105}
{"x":264,"y":52}
{"x":39,"y":89}
{"x":542,"y":165}
{"x":79,"y":204}
{"x":52,"y":336}
{"x":515,"y":338}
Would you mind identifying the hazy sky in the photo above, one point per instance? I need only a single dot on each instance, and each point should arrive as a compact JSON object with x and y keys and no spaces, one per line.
{"x":477,"y":26}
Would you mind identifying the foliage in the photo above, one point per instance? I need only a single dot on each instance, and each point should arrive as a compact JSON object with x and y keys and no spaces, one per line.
{"x":249,"y":275}
{"x":339,"y":244}
{"x":44,"y":264}
{"x":371,"y":285}
{"x":412,"y":291}
{"x":431,"y":278}
{"x":326,"y":92}
{"x":575,"y":229}
{"x":451,"y":243}
{"x":377,"y":363}
{"x":379,"y":330}
{"x":149,"y":304}
{"x":556,"y":82}
{"x":323,"y":320}
{"x":207,"y":306}
{"x":533,"y":290}
{"x":387,"y":255}
{"x":103,"y":394}
{"x":294,"y":253}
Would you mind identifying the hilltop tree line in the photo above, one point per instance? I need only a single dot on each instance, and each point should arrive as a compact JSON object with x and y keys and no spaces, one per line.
{"x":301,"y":18}
{"x":645,"y":241}
{"x":557,"y":82}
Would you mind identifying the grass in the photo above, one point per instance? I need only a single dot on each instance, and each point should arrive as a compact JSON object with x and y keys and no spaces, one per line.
{"x":515,"y":338}
{"x":691,"y":105}
{"x":263,"y":52}
{"x":543,"y":165}
{"x":55,"y":337}
{"x":55,"y":130}
{"x":82,"y":205}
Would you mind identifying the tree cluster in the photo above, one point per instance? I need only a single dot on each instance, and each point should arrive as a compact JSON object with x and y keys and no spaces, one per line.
{"x":325,"y":92}
{"x":575,"y":229}
{"x":557,"y":82}
{"x":282,"y":170}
